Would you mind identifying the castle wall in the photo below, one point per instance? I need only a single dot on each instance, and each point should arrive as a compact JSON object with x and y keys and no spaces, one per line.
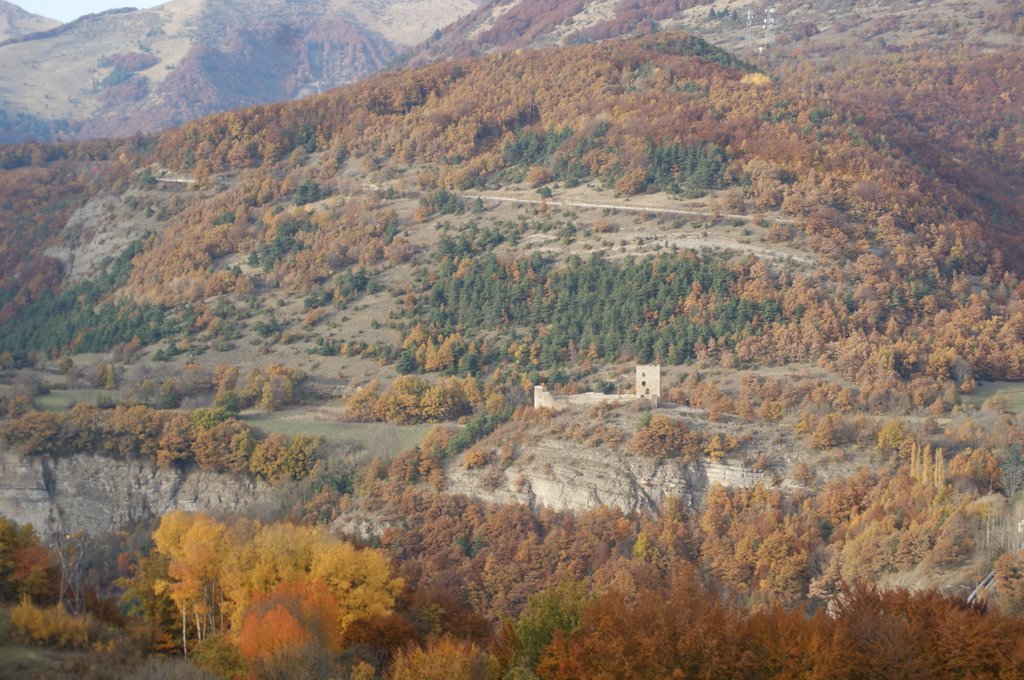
{"x":648,"y":387}
{"x":592,"y":398}
{"x":544,"y":399}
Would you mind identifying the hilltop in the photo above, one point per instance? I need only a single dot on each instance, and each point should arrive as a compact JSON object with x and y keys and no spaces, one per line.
{"x":771,"y":32}
{"x":189,"y":58}
{"x":16,"y":22}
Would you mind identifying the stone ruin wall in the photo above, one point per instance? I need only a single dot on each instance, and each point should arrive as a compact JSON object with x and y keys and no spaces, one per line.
{"x":648,"y":386}
{"x":544,"y":399}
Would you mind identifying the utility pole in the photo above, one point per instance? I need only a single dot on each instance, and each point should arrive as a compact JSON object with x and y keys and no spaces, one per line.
{"x":769,"y":27}
{"x":749,"y":38}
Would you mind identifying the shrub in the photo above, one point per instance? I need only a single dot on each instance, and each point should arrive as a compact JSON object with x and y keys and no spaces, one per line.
{"x":475,"y":457}
{"x":50,"y":625}
{"x":445,"y":659}
{"x":663,"y":436}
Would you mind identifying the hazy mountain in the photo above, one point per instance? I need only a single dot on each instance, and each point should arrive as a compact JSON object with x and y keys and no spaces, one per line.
{"x":126,"y":71}
{"x":16,"y":22}
{"x":782,"y":29}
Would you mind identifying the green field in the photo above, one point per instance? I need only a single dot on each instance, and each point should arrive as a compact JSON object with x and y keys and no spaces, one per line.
{"x":25,"y":662}
{"x":1012,"y":393}
{"x":376,"y":438}
{"x":61,"y":400}
{"x":19,"y":661}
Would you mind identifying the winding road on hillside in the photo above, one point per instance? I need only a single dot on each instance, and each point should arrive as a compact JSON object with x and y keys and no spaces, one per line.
{"x":725,"y":242}
{"x":620,"y":206}
{"x":687,"y":241}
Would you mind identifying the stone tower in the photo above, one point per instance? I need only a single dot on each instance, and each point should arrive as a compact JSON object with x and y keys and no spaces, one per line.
{"x":648,"y":383}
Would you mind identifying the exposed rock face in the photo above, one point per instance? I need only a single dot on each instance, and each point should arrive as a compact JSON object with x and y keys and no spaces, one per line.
{"x":99,"y":494}
{"x":567,"y":476}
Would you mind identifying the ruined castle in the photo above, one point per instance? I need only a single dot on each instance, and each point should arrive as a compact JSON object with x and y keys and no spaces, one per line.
{"x":648,"y":387}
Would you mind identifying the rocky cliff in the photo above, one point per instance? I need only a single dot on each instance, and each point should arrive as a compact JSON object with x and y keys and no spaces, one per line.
{"x":99,"y":494}
{"x":566,"y":476}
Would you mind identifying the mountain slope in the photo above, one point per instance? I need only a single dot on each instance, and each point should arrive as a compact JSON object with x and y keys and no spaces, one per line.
{"x":127,"y":71}
{"x":825,"y":263}
{"x":858,"y":173}
{"x":896,"y":182}
{"x":16,"y":22}
{"x":786,"y":28}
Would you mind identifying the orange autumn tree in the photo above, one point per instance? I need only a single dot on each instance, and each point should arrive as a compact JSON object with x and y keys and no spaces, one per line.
{"x":294,"y":626}
{"x":664,"y":436}
{"x":266,"y":633}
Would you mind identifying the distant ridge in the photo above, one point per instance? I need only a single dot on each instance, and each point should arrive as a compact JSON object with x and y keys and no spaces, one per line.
{"x":125,"y":71}
{"x":798,"y":29}
{"x":16,"y":23}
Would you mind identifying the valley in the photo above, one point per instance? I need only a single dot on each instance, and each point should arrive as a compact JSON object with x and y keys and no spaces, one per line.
{"x":267,"y":378}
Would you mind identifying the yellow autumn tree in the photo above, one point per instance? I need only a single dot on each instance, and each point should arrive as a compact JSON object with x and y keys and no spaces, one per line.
{"x":195,"y":544}
{"x":216,"y":573}
{"x":359,"y":406}
{"x":360,"y":579}
{"x":445,"y":659}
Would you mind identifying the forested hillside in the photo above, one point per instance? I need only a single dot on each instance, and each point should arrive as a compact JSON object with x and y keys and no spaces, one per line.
{"x":915,"y":237}
{"x":351,"y":297}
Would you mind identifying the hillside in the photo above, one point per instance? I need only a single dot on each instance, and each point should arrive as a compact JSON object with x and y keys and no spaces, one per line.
{"x":16,"y":22}
{"x":774,"y":32}
{"x":347,"y":300}
{"x":122,"y":72}
{"x":194,"y":57}
{"x":873,"y":176}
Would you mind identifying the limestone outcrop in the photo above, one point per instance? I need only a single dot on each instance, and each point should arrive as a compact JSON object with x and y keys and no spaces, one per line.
{"x":565,"y":476}
{"x":100,"y":494}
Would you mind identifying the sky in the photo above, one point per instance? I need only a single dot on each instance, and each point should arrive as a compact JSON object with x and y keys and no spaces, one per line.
{"x":67,"y":10}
